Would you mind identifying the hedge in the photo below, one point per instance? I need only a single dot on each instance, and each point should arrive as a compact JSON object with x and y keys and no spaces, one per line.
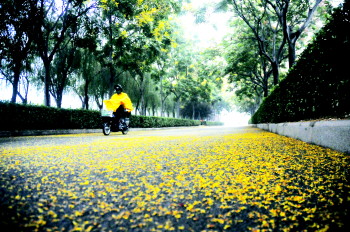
{"x":151,"y":122}
{"x":28,"y":117}
{"x":318,"y":85}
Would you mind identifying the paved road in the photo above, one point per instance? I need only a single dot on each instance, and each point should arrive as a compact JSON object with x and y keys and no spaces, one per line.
{"x":133,"y":134}
{"x":181,"y":179}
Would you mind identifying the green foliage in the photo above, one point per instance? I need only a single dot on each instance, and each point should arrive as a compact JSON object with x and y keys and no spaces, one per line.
{"x":16,"y":42}
{"x":27,"y":117}
{"x":269,"y":33}
{"x":318,"y":85}
{"x":208,"y":123}
{"x":193,"y":77}
{"x":249,"y":70}
{"x":152,"y":122}
{"x":201,"y":110}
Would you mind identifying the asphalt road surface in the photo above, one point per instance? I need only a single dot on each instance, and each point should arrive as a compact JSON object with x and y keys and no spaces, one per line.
{"x":133,"y":133}
{"x":178,"y":179}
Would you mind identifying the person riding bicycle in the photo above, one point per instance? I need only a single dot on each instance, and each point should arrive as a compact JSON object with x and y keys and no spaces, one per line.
{"x":120,"y":103}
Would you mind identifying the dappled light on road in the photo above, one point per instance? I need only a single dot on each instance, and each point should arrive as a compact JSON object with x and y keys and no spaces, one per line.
{"x":246,"y":181}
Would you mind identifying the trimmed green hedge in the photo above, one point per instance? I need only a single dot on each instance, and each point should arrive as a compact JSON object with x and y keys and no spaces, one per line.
{"x":27,"y":117}
{"x":152,"y":122}
{"x":318,"y":85}
{"x":208,"y":123}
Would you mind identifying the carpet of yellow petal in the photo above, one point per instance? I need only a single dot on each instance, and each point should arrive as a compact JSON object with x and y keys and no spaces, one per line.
{"x":236,"y":182}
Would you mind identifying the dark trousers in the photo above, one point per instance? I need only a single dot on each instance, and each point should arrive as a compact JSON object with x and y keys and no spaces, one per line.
{"x":121,"y":113}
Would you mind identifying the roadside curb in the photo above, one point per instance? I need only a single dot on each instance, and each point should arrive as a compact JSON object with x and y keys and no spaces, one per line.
{"x":334,"y":134}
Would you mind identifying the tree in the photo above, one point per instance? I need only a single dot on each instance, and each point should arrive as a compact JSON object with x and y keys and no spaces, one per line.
{"x":83,"y":63}
{"x":161,"y":66}
{"x":275,"y":25}
{"x":23,"y":83}
{"x":196,"y":95}
{"x":89,"y":78}
{"x":187,"y":86}
{"x":295,"y":18}
{"x":266,"y":30}
{"x":246,"y":65}
{"x":63,"y":66}
{"x":16,"y":41}
{"x":211,"y":66}
{"x":53,"y":24}
{"x":247,"y":97}
{"x":143,"y":41}
{"x":179,"y":65}
{"x":114,"y":17}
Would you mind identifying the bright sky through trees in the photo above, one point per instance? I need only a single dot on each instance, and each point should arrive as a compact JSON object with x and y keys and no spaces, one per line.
{"x":207,"y":33}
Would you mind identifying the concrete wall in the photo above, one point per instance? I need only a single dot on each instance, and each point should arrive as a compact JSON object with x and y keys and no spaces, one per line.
{"x":332,"y":134}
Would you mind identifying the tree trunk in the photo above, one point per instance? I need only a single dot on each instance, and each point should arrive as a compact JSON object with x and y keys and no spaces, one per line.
{"x":111,"y":69}
{"x":98,"y":103}
{"x":193,"y":111}
{"x":17,"y":73}
{"x":177,"y":107}
{"x":142,"y":103}
{"x":86,"y":94}
{"x":291,"y":36}
{"x":59,"y":91}
{"x":47,"y":83}
{"x":291,"y":54}
{"x":111,"y":81}
{"x":24,"y":98}
{"x":161,"y":97}
{"x":86,"y":97}
{"x":275,"y":72}
{"x":266,"y":90}
{"x":59,"y":99}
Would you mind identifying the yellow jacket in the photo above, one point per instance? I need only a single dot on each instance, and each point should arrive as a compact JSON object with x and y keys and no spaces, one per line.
{"x":117,"y":100}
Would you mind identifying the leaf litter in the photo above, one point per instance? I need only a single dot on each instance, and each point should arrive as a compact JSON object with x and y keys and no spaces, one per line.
{"x":234,"y":182}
